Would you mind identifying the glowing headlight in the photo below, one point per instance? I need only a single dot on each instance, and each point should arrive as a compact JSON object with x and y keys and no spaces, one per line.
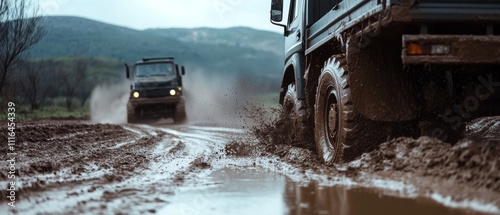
{"x":173,"y":92}
{"x":136,"y":94}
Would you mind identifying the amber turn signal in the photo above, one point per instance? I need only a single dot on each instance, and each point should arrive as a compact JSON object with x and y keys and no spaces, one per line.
{"x":414,"y":49}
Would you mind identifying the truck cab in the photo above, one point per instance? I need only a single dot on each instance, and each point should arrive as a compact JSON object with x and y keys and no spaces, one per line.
{"x":156,"y":90}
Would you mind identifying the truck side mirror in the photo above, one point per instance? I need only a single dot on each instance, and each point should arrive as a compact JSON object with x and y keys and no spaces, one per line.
{"x":277,"y":10}
{"x":183,"y":70}
{"x":127,"y":71}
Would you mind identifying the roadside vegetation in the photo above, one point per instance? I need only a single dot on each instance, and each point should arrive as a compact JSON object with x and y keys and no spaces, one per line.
{"x":59,"y":87}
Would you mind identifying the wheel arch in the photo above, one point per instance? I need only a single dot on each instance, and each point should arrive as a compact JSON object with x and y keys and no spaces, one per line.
{"x":288,"y":78}
{"x":315,"y":63}
{"x":293,"y":73}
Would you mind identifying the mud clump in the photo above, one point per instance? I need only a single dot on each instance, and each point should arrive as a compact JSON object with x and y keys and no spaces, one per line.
{"x":200,"y":164}
{"x":239,"y":149}
{"x":473,"y":161}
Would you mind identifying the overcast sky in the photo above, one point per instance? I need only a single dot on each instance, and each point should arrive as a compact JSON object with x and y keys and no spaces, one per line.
{"x":143,"y":14}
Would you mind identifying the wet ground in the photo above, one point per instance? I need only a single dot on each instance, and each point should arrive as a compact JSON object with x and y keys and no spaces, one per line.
{"x":72,"y":167}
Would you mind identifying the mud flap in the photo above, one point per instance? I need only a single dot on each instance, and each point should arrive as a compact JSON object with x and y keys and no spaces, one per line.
{"x":381,"y":89}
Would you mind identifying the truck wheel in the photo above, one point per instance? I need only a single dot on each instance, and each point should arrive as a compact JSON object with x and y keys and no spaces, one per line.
{"x":180,"y":112}
{"x":294,"y":111}
{"x":338,"y":129}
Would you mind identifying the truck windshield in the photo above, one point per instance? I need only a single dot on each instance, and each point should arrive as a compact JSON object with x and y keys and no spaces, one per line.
{"x":155,"y":69}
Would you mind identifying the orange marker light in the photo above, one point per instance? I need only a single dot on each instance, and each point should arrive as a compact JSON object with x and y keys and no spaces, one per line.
{"x":414,"y":49}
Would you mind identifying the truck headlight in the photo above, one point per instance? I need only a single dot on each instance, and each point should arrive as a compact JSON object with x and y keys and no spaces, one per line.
{"x":136,"y":94}
{"x":173,"y":92}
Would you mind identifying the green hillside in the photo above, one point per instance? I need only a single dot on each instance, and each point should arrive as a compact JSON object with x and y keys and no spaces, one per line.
{"x":219,"y":51}
{"x":239,"y":37}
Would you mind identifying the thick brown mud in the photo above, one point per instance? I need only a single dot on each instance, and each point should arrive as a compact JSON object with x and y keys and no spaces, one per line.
{"x":467,"y":170}
{"x":48,"y":146}
{"x":72,"y":167}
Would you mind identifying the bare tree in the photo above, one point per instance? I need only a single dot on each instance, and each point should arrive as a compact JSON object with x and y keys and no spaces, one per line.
{"x":69,"y":86}
{"x":32,"y":83}
{"x":84,"y":87}
{"x":20,"y":29}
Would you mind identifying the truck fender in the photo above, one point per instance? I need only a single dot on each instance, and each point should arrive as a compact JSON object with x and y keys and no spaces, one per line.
{"x":294,"y":72}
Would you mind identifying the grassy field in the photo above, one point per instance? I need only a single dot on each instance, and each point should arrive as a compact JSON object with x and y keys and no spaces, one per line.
{"x":24,"y":113}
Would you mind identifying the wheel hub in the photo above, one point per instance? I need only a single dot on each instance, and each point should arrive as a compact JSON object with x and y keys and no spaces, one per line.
{"x":332,"y":117}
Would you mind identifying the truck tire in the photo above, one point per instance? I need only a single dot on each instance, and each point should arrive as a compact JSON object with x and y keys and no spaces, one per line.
{"x":294,"y":110}
{"x":339,"y":131}
{"x":180,"y":112}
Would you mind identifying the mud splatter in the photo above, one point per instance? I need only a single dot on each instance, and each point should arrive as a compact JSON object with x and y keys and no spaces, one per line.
{"x":216,"y":100}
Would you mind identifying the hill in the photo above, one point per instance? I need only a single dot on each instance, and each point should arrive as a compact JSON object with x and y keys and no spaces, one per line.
{"x":214,"y":51}
{"x":239,"y":37}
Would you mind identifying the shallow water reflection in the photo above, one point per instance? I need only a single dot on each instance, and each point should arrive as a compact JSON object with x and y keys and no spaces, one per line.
{"x":314,"y":199}
{"x":258,"y":191}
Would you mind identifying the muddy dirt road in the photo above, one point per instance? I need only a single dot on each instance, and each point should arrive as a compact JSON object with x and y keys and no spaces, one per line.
{"x":75,"y":167}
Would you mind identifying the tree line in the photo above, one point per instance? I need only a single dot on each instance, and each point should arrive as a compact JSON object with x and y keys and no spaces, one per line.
{"x":20,"y":29}
{"x":36,"y":83}
{"x":39,"y":83}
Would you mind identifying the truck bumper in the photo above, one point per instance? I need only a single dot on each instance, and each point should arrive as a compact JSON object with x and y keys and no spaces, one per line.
{"x":152,"y":106}
{"x":463,"y":49}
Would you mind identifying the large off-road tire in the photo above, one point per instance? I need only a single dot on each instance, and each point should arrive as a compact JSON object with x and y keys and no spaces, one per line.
{"x":294,"y":110}
{"x":340,"y":133}
{"x":180,"y":112}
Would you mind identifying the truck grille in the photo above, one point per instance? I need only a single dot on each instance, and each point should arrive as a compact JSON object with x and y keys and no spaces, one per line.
{"x":156,"y":93}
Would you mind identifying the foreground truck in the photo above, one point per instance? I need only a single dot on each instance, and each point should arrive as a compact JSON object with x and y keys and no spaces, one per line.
{"x":359,"y":72}
{"x":156,"y":90}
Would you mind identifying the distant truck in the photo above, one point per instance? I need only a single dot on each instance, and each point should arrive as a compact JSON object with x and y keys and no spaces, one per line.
{"x":156,"y":90}
{"x":358,"y":72}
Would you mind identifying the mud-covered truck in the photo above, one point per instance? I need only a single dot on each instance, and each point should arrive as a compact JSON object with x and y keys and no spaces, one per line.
{"x":156,"y":90}
{"x":358,"y":72}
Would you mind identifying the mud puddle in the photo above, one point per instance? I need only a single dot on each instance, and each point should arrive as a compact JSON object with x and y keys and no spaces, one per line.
{"x":232,"y":191}
{"x":259,"y":191}
{"x":316,"y":199}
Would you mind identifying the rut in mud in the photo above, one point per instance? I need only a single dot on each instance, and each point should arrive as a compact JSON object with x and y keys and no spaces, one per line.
{"x":51,"y":151}
{"x":71,"y":167}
